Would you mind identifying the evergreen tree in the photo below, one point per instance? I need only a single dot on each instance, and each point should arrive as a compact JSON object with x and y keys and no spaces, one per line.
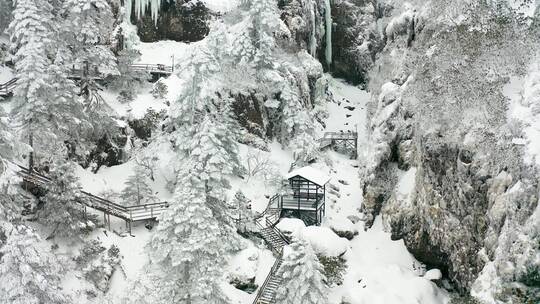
{"x":30,"y":32}
{"x":129,"y":80}
{"x":214,"y":154}
{"x":189,"y":247}
{"x":297,"y":125}
{"x":202,"y":66}
{"x":28,"y":273}
{"x":86,"y":30}
{"x":62,"y":211}
{"x":245,"y":215}
{"x":137,"y":190}
{"x":303,"y":278}
{"x":265,"y":22}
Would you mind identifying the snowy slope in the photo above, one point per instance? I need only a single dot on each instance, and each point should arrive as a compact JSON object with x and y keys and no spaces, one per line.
{"x":379,"y":270}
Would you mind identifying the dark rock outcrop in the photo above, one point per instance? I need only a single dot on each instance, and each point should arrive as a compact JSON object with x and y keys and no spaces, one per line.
{"x":179,"y":20}
{"x":355,"y":39}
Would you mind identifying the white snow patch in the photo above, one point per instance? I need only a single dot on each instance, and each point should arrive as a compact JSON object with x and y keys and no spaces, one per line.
{"x":221,"y":6}
{"x":405,"y":187}
{"x":433,"y":274}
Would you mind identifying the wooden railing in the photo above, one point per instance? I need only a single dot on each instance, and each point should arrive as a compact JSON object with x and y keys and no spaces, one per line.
{"x":127,"y":213}
{"x":8,"y":87}
{"x":78,"y":72}
{"x":153,"y":68}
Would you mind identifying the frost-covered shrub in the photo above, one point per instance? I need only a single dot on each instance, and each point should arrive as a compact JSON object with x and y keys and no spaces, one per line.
{"x":125,"y":96}
{"x":464,"y":300}
{"x":145,"y":126}
{"x":98,"y":263}
{"x":333,"y":269}
{"x":160,"y":90}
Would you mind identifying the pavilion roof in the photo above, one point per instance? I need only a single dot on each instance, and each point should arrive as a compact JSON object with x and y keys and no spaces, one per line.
{"x":311,"y":174}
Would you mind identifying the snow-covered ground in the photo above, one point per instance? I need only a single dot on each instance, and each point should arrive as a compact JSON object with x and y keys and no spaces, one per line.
{"x":379,"y":270}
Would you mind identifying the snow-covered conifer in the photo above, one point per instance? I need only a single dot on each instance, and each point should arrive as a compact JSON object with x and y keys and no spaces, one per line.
{"x":137,"y":190}
{"x":244,"y":214}
{"x":297,"y":125}
{"x":28,"y":272}
{"x":265,"y":22}
{"x":31,"y":31}
{"x":188,"y":246}
{"x":130,"y":79}
{"x":303,"y":278}
{"x":86,"y":30}
{"x":201,"y":67}
{"x":62,"y":210}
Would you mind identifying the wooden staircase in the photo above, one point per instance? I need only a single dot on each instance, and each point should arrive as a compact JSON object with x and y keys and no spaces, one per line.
{"x":276,"y":241}
{"x":267,"y":292}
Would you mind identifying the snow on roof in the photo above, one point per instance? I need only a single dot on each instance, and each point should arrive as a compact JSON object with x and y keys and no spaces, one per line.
{"x":310,"y":174}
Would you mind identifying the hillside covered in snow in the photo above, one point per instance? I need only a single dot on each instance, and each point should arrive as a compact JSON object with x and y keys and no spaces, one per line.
{"x":264,"y":151}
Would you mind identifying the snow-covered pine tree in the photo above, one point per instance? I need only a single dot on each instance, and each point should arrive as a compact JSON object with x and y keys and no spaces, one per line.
{"x":303,"y":278}
{"x":200,"y":68}
{"x":31,"y":31}
{"x":214,"y":152}
{"x":265,"y":22}
{"x":188,"y":246}
{"x":28,"y":272}
{"x":137,"y":191}
{"x":129,"y":81}
{"x":61,"y":210}
{"x":88,"y":24}
{"x":297,"y":126}
{"x":74,"y":122}
{"x":245,"y":215}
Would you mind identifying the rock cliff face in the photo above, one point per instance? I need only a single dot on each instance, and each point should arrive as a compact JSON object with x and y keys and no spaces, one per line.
{"x":446,"y":168}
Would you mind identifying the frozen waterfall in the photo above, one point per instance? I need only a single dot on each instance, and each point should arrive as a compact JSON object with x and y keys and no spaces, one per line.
{"x":313,"y":39}
{"x":328,"y":22}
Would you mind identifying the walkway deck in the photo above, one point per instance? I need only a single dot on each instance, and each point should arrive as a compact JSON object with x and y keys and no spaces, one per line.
{"x":6,"y":89}
{"x":341,"y":141}
{"x":129,"y":214}
{"x":289,"y":202}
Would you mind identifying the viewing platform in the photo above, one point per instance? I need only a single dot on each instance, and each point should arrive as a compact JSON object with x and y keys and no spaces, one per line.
{"x":304,"y":197}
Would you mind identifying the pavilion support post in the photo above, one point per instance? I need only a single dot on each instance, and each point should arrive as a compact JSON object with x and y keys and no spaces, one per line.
{"x":109,"y":221}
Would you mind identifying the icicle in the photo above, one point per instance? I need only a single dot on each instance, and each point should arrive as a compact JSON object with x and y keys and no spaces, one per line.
{"x":141,"y":6}
{"x":328,"y":17}
{"x":313,"y":39}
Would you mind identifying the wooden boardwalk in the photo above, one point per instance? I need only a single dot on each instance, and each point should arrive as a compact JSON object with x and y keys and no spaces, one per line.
{"x":129,"y":214}
{"x":341,"y":141}
{"x":6,"y":89}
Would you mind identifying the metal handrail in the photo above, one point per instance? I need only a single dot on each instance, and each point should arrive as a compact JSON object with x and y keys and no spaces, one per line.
{"x":273,"y":271}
